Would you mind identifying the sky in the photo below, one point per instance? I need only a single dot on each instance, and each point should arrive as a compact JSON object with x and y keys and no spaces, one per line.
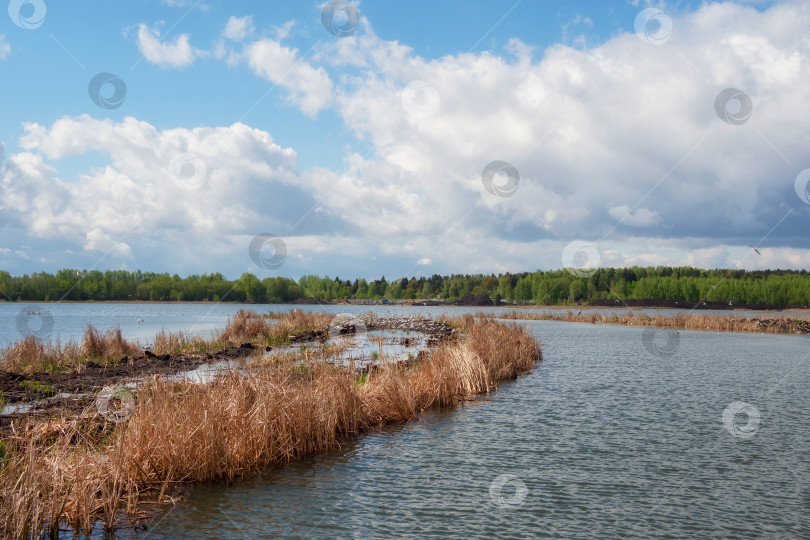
{"x":403,"y":138}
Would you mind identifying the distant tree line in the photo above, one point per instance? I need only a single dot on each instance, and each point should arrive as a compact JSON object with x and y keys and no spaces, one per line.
{"x":776,"y":288}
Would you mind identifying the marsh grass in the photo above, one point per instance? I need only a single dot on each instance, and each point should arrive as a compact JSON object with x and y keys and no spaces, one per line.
{"x":31,"y":355}
{"x":180,"y":343}
{"x":109,"y":346}
{"x":687,"y":321}
{"x":280,"y":411}
{"x":248,"y":326}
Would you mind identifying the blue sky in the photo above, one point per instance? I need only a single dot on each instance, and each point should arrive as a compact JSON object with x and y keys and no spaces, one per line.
{"x":51,"y":66}
{"x":364,"y":153}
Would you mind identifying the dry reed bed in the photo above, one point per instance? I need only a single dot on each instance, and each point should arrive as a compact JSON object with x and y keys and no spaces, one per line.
{"x":715,"y":323}
{"x":71,"y":474}
{"x":31,"y":355}
{"x":248,"y":326}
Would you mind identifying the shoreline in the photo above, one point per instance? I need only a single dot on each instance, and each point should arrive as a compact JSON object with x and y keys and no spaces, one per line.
{"x":416,"y":304}
{"x":142,"y":446}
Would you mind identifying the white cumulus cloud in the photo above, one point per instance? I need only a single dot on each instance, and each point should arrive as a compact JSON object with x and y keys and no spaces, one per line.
{"x":175,"y":53}
{"x":309,"y":88}
{"x":238,"y":28}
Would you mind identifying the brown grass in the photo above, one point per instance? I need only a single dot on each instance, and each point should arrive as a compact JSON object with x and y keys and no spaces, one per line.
{"x":248,"y":326}
{"x":32,"y":355}
{"x":687,"y":321}
{"x":178,"y":342}
{"x":108,"y":346}
{"x":238,"y":423}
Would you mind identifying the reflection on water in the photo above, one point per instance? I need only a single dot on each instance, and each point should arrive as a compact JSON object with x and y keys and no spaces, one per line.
{"x":603,"y":439}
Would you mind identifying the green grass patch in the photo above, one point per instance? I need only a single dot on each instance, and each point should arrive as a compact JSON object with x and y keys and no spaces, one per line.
{"x":37,"y":386}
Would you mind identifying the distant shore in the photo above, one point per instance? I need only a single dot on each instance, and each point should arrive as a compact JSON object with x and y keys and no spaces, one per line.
{"x":630,"y":305}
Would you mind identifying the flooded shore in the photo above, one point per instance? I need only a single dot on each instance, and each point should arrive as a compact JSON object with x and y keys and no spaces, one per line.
{"x":301,"y":388}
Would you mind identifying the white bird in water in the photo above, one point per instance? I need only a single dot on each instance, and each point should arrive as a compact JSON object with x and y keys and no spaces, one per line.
{"x":140,"y":320}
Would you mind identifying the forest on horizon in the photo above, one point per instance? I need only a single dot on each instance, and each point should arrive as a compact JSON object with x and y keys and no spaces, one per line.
{"x":774,"y":288}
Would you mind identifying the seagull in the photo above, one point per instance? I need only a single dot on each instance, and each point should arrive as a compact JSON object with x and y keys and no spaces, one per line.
{"x":755,"y":250}
{"x":140,"y":320}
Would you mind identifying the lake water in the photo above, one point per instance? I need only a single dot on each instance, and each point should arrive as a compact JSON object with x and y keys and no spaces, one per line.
{"x":141,"y":321}
{"x":618,"y":433}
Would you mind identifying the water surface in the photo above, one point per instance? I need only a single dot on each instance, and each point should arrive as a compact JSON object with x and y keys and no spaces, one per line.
{"x":603,"y":439}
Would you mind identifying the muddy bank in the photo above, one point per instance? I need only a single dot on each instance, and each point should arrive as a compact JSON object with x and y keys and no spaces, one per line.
{"x":92,"y":377}
{"x":342,"y":325}
{"x":46,"y":388}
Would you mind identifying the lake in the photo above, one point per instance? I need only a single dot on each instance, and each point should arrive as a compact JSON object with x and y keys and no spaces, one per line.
{"x":141,"y":321}
{"x":703,"y":435}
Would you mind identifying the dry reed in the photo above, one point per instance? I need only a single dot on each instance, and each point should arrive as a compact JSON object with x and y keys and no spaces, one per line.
{"x":687,"y":321}
{"x":177,"y":343}
{"x":181,"y":432}
{"x":108,"y":346}
{"x":248,"y":326}
{"x":32,"y":355}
